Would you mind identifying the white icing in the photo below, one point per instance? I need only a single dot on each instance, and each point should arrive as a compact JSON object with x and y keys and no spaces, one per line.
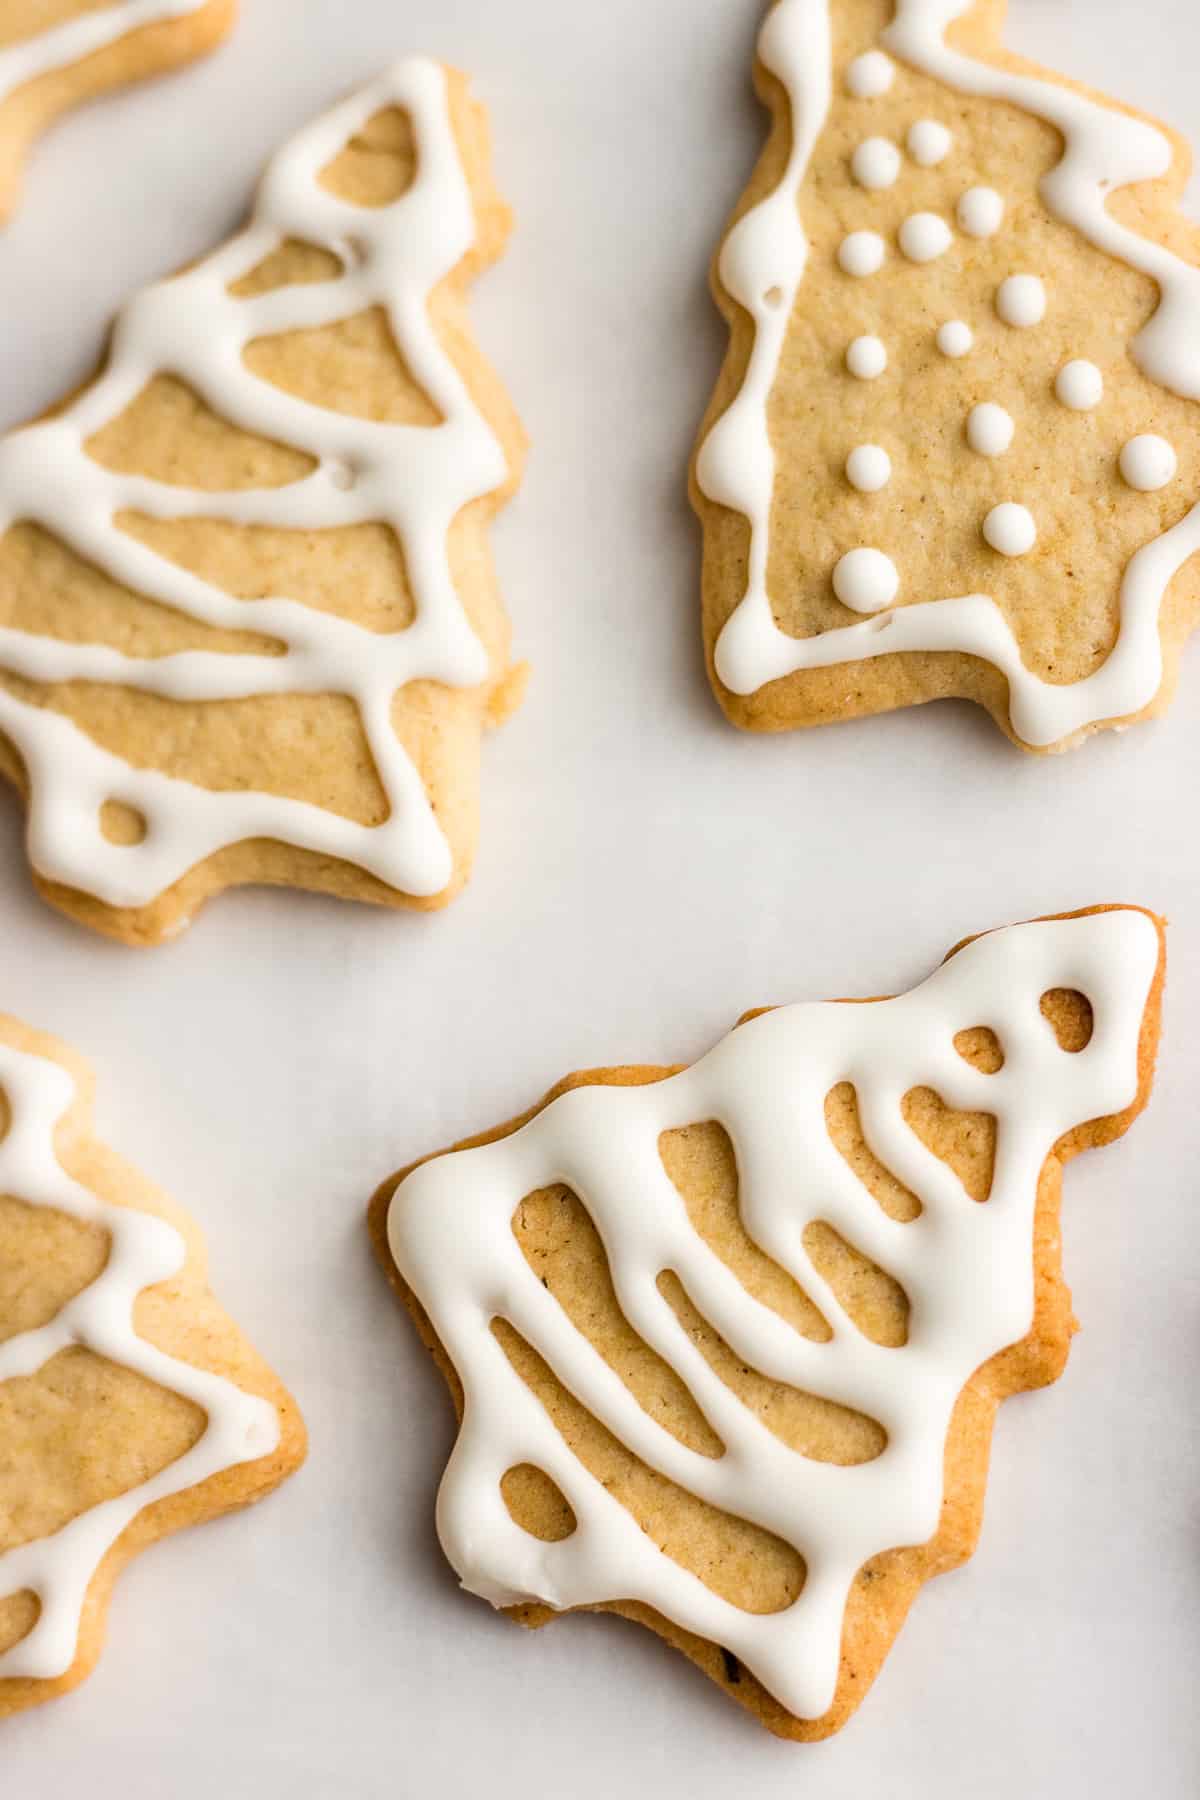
{"x":866,"y":580}
{"x":1010,"y":529}
{"x":875,"y":163}
{"x":1021,"y":300}
{"x":968,"y":1269}
{"x":870,"y":75}
{"x":980,"y":212}
{"x":861,"y":253}
{"x":868,"y":468}
{"x":79,"y":37}
{"x":143,"y":1250}
{"x":928,"y":142}
{"x":1103,"y":150}
{"x":1079,"y":385}
{"x":989,"y":429}
{"x":413,"y":478}
{"x":924,"y":236}
{"x":866,"y":358}
{"x":955,"y":338}
{"x":1148,"y":463}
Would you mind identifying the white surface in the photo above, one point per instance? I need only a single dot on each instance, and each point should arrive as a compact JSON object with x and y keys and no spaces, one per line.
{"x":645,"y":874}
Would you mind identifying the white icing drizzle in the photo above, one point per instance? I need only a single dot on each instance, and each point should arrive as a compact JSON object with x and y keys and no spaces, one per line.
{"x":1079,"y":385}
{"x":1011,"y":529}
{"x":875,"y":163}
{"x":861,"y":253}
{"x":989,"y":429}
{"x":80,"y":37}
{"x":1021,"y":300}
{"x":868,"y":468}
{"x":866,"y":580}
{"x":870,"y":75}
{"x":928,"y":142}
{"x":1148,"y":463}
{"x":980,"y":212}
{"x":414,"y":478}
{"x":1103,"y":150}
{"x":966,"y":1267}
{"x":955,"y":338}
{"x":924,"y":236}
{"x":866,"y":358}
{"x":143,"y":1250}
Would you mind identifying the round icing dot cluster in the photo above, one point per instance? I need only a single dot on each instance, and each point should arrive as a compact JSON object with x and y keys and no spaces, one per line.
{"x":866,"y":579}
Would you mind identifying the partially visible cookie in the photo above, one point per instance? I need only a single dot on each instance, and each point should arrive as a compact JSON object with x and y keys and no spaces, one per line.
{"x":130,"y":1404}
{"x":249,"y":625}
{"x":726,"y":1342}
{"x":56,"y":53}
{"x":953,"y":450}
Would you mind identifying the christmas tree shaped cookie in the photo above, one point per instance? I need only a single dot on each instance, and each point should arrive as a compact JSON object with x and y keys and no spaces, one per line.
{"x":726,"y":1342}
{"x":130,"y":1405}
{"x":954,"y":448}
{"x":249,"y":629}
{"x":55,"y":53}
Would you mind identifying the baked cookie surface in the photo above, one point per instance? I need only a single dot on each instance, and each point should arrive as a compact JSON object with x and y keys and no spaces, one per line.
{"x":953,"y":448}
{"x":130,"y":1404}
{"x":249,"y":628}
{"x":726,"y":1342}
{"x":56,"y":53}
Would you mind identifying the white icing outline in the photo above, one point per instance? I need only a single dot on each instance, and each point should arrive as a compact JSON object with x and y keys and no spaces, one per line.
{"x":416,"y":479}
{"x":1104,"y":150}
{"x":967,"y":1267}
{"x":144,"y":1250}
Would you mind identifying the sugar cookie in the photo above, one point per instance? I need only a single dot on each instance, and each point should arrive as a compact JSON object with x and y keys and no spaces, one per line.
{"x":130,"y":1404}
{"x":679,"y":1302}
{"x":249,"y":627}
{"x":1041,"y":246}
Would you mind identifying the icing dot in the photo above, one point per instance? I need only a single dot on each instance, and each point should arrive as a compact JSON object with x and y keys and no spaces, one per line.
{"x":866,"y":580}
{"x":989,"y":429}
{"x":861,"y":253}
{"x":1010,"y":529}
{"x":1021,"y":300}
{"x":875,"y":163}
{"x":868,"y":468}
{"x":870,"y":75}
{"x":923,"y":236}
{"x":955,"y":338}
{"x":928,"y":142}
{"x":866,"y":358}
{"x":981,"y":212}
{"x":1079,"y":385}
{"x":1148,"y":463}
